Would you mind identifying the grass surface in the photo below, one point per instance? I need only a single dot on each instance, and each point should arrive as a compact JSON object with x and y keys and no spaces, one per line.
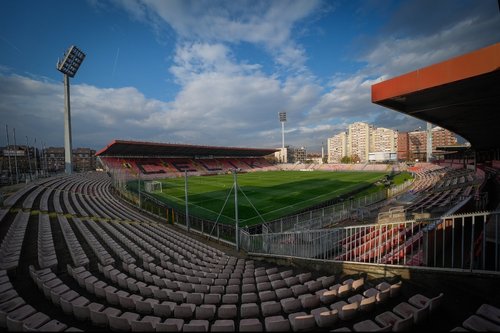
{"x":262,"y":196}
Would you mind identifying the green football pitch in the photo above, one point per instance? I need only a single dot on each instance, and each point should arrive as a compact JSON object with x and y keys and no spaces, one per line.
{"x":262,"y":196}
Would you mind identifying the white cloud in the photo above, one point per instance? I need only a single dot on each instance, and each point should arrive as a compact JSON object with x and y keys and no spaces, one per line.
{"x":266,"y":23}
{"x":397,"y":55}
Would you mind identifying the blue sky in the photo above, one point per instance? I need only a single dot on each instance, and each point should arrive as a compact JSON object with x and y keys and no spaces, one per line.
{"x":218,"y":72}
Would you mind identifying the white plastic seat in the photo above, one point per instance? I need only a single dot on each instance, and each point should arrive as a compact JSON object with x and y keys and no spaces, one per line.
{"x":327,"y":297}
{"x":302,"y":321}
{"x":324,"y":317}
{"x":346,"y":311}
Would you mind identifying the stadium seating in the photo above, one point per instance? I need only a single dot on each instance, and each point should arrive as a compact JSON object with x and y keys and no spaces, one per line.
{"x":98,"y":263}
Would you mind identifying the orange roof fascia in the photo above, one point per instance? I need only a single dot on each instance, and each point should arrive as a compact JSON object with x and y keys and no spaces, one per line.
{"x":471,"y":64}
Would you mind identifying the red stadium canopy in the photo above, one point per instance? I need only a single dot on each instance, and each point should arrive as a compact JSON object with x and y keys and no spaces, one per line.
{"x":119,"y":148}
{"x":461,"y":94}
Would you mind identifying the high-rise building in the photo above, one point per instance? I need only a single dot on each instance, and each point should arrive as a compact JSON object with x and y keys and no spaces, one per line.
{"x":337,"y":147}
{"x":403,"y":146}
{"x":383,"y":140}
{"x":418,"y":141}
{"x":83,"y":159}
{"x":358,"y":141}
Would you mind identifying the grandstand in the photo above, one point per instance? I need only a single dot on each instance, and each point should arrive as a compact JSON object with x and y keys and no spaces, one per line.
{"x":164,"y":160}
{"x":76,"y":256}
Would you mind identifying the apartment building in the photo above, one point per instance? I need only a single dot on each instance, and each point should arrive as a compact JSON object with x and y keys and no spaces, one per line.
{"x":383,"y":140}
{"x":337,"y":147}
{"x":418,"y":141}
{"x":358,"y":140}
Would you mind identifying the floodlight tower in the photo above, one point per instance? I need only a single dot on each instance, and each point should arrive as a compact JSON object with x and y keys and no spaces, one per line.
{"x":69,"y":65}
{"x":283,"y":120}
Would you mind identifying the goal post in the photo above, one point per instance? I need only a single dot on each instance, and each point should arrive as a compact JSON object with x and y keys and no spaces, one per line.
{"x":153,"y":186}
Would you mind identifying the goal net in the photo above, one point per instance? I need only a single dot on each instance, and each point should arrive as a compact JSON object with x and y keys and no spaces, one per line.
{"x":153,"y":186}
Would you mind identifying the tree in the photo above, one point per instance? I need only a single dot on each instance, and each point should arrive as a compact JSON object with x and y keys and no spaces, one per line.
{"x":345,"y":159}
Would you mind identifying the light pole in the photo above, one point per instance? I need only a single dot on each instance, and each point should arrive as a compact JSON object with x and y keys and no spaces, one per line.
{"x":186,"y":198}
{"x":72,"y":60}
{"x":283,"y":120}
{"x":236,"y":222}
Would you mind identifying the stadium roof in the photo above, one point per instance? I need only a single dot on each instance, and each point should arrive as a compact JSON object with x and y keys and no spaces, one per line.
{"x":461,"y":94}
{"x":119,"y":148}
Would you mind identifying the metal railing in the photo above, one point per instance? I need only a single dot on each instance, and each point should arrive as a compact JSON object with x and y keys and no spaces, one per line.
{"x":466,"y":241}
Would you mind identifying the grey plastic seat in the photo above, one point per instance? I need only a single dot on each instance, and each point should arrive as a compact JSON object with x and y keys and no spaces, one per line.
{"x":277,"y":324}
{"x":397,"y":323}
{"x":14,"y":319}
{"x":270,"y":308}
{"x":170,"y":325}
{"x":406,"y":310}
{"x":205,"y":311}
{"x":249,"y":310}
{"x":490,"y":312}
{"x":196,"y":325}
{"x":369,"y":326}
{"x":250,"y":325}
{"x":101,"y":318}
{"x":227,"y":311}
{"x":184,"y":311}
{"x":123,"y":321}
{"x":164,"y":309}
{"x":480,"y":324}
{"x":291,"y":305}
{"x":146,"y":324}
{"x":223,"y":325}
{"x":419,"y":301}
{"x":33,"y":322}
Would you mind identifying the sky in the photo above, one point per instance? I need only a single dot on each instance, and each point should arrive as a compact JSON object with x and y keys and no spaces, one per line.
{"x":208,"y":72}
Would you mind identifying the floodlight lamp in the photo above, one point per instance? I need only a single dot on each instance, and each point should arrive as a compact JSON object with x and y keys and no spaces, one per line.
{"x":282,"y":116}
{"x":72,"y":60}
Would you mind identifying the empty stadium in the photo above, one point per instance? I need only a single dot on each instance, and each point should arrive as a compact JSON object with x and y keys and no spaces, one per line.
{"x":81,"y":252}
